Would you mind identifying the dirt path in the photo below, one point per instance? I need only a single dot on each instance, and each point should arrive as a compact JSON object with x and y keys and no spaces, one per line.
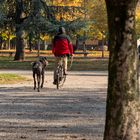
{"x":75,"y":112}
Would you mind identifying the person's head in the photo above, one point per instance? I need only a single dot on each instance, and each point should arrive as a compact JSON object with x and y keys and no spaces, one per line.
{"x":62,"y":30}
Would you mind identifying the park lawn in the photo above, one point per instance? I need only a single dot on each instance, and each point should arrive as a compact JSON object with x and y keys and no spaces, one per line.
{"x":11,"y":78}
{"x":82,"y":64}
{"x":79,"y":64}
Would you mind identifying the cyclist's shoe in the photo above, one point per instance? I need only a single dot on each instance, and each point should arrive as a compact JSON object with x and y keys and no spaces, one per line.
{"x":54,"y":82}
{"x":65,"y":73}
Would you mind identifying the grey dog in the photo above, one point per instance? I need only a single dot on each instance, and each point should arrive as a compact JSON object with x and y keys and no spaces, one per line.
{"x":38,"y":68}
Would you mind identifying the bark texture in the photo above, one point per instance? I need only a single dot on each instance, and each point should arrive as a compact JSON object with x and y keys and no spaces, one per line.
{"x":122,"y":111}
{"x":20,"y":34}
{"x":20,"y":45}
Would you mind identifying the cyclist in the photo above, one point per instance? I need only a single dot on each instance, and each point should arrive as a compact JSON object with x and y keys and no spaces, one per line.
{"x":62,"y":48}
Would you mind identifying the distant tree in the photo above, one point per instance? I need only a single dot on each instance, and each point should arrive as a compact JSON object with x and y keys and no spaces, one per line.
{"x":61,"y":13}
{"x":99,"y":19}
{"x":7,"y":23}
{"x":122,"y":111}
{"x":29,"y":24}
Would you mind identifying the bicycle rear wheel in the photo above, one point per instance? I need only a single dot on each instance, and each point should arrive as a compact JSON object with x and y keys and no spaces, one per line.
{"x":57,"y":81}
{"x":60,"y":77}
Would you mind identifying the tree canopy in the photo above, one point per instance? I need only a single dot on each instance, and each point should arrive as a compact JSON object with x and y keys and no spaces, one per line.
{"x":83,"y":18}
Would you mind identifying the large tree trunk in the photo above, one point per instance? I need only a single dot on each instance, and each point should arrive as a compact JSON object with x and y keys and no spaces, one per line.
{"x":20,"y":46}
{"x":20,"y":34}
{"x":122,"y":111}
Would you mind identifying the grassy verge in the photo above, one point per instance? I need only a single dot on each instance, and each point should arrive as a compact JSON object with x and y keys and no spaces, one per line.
{"x":11,"y":78}
{"x":79,"y":63}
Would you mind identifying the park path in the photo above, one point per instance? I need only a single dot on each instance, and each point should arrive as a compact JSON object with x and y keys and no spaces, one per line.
{"x":75,"y":112}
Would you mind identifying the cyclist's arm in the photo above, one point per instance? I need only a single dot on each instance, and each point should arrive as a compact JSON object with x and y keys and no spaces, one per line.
{"x":70,"y":46}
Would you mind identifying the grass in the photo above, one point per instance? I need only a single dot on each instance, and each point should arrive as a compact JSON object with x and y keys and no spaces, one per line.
{"x":79,"y":63}
{"x":90,"y":64}
{"x":11,"y":78}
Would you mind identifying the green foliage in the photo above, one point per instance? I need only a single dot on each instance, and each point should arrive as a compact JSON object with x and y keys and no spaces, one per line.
{"x":5,"y":36}
{"x":40,"y":17}
{"x":95,"y":13}
{"x":2,"y":14}
{"x":43,"y":19}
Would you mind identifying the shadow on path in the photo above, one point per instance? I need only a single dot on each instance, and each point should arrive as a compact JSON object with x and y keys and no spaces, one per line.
{"x":65,"y":114}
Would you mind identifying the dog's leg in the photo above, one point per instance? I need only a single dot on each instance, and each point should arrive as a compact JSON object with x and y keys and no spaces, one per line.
{"x":38,"y":80}
{"x":34,"y":80}
{"x":42,"y":79}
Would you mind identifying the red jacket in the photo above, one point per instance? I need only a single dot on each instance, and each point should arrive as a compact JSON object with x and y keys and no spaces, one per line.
{"x":62,"y":45}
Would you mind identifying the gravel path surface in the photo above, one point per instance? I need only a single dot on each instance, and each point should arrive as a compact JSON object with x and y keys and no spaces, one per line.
{"x":75,"y":112}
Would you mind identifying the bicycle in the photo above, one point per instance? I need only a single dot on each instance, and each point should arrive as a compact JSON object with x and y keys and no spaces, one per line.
{"x":60,"y":75}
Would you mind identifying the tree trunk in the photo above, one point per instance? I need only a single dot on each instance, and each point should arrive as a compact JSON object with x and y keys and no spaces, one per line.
{"x":38,"y":48}
{"x":1,"y":43}
{"x":122,"y":110}
{"x":20,"y":46}
{"x":30,"y":41}
{"x":20,"y":34}
{"x":102,"y":48}
{"x":45,"y":45}
{"x":9,"y":41}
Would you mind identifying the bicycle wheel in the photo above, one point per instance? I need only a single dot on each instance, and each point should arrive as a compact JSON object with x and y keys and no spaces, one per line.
{"x":62,"y":77}
{"x":57,"y":82}
{"x":58,"y":76}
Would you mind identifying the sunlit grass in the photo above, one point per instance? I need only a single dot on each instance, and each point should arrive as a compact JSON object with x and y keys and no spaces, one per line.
{"x":11,"y":78}
{"x":79,"y":63}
